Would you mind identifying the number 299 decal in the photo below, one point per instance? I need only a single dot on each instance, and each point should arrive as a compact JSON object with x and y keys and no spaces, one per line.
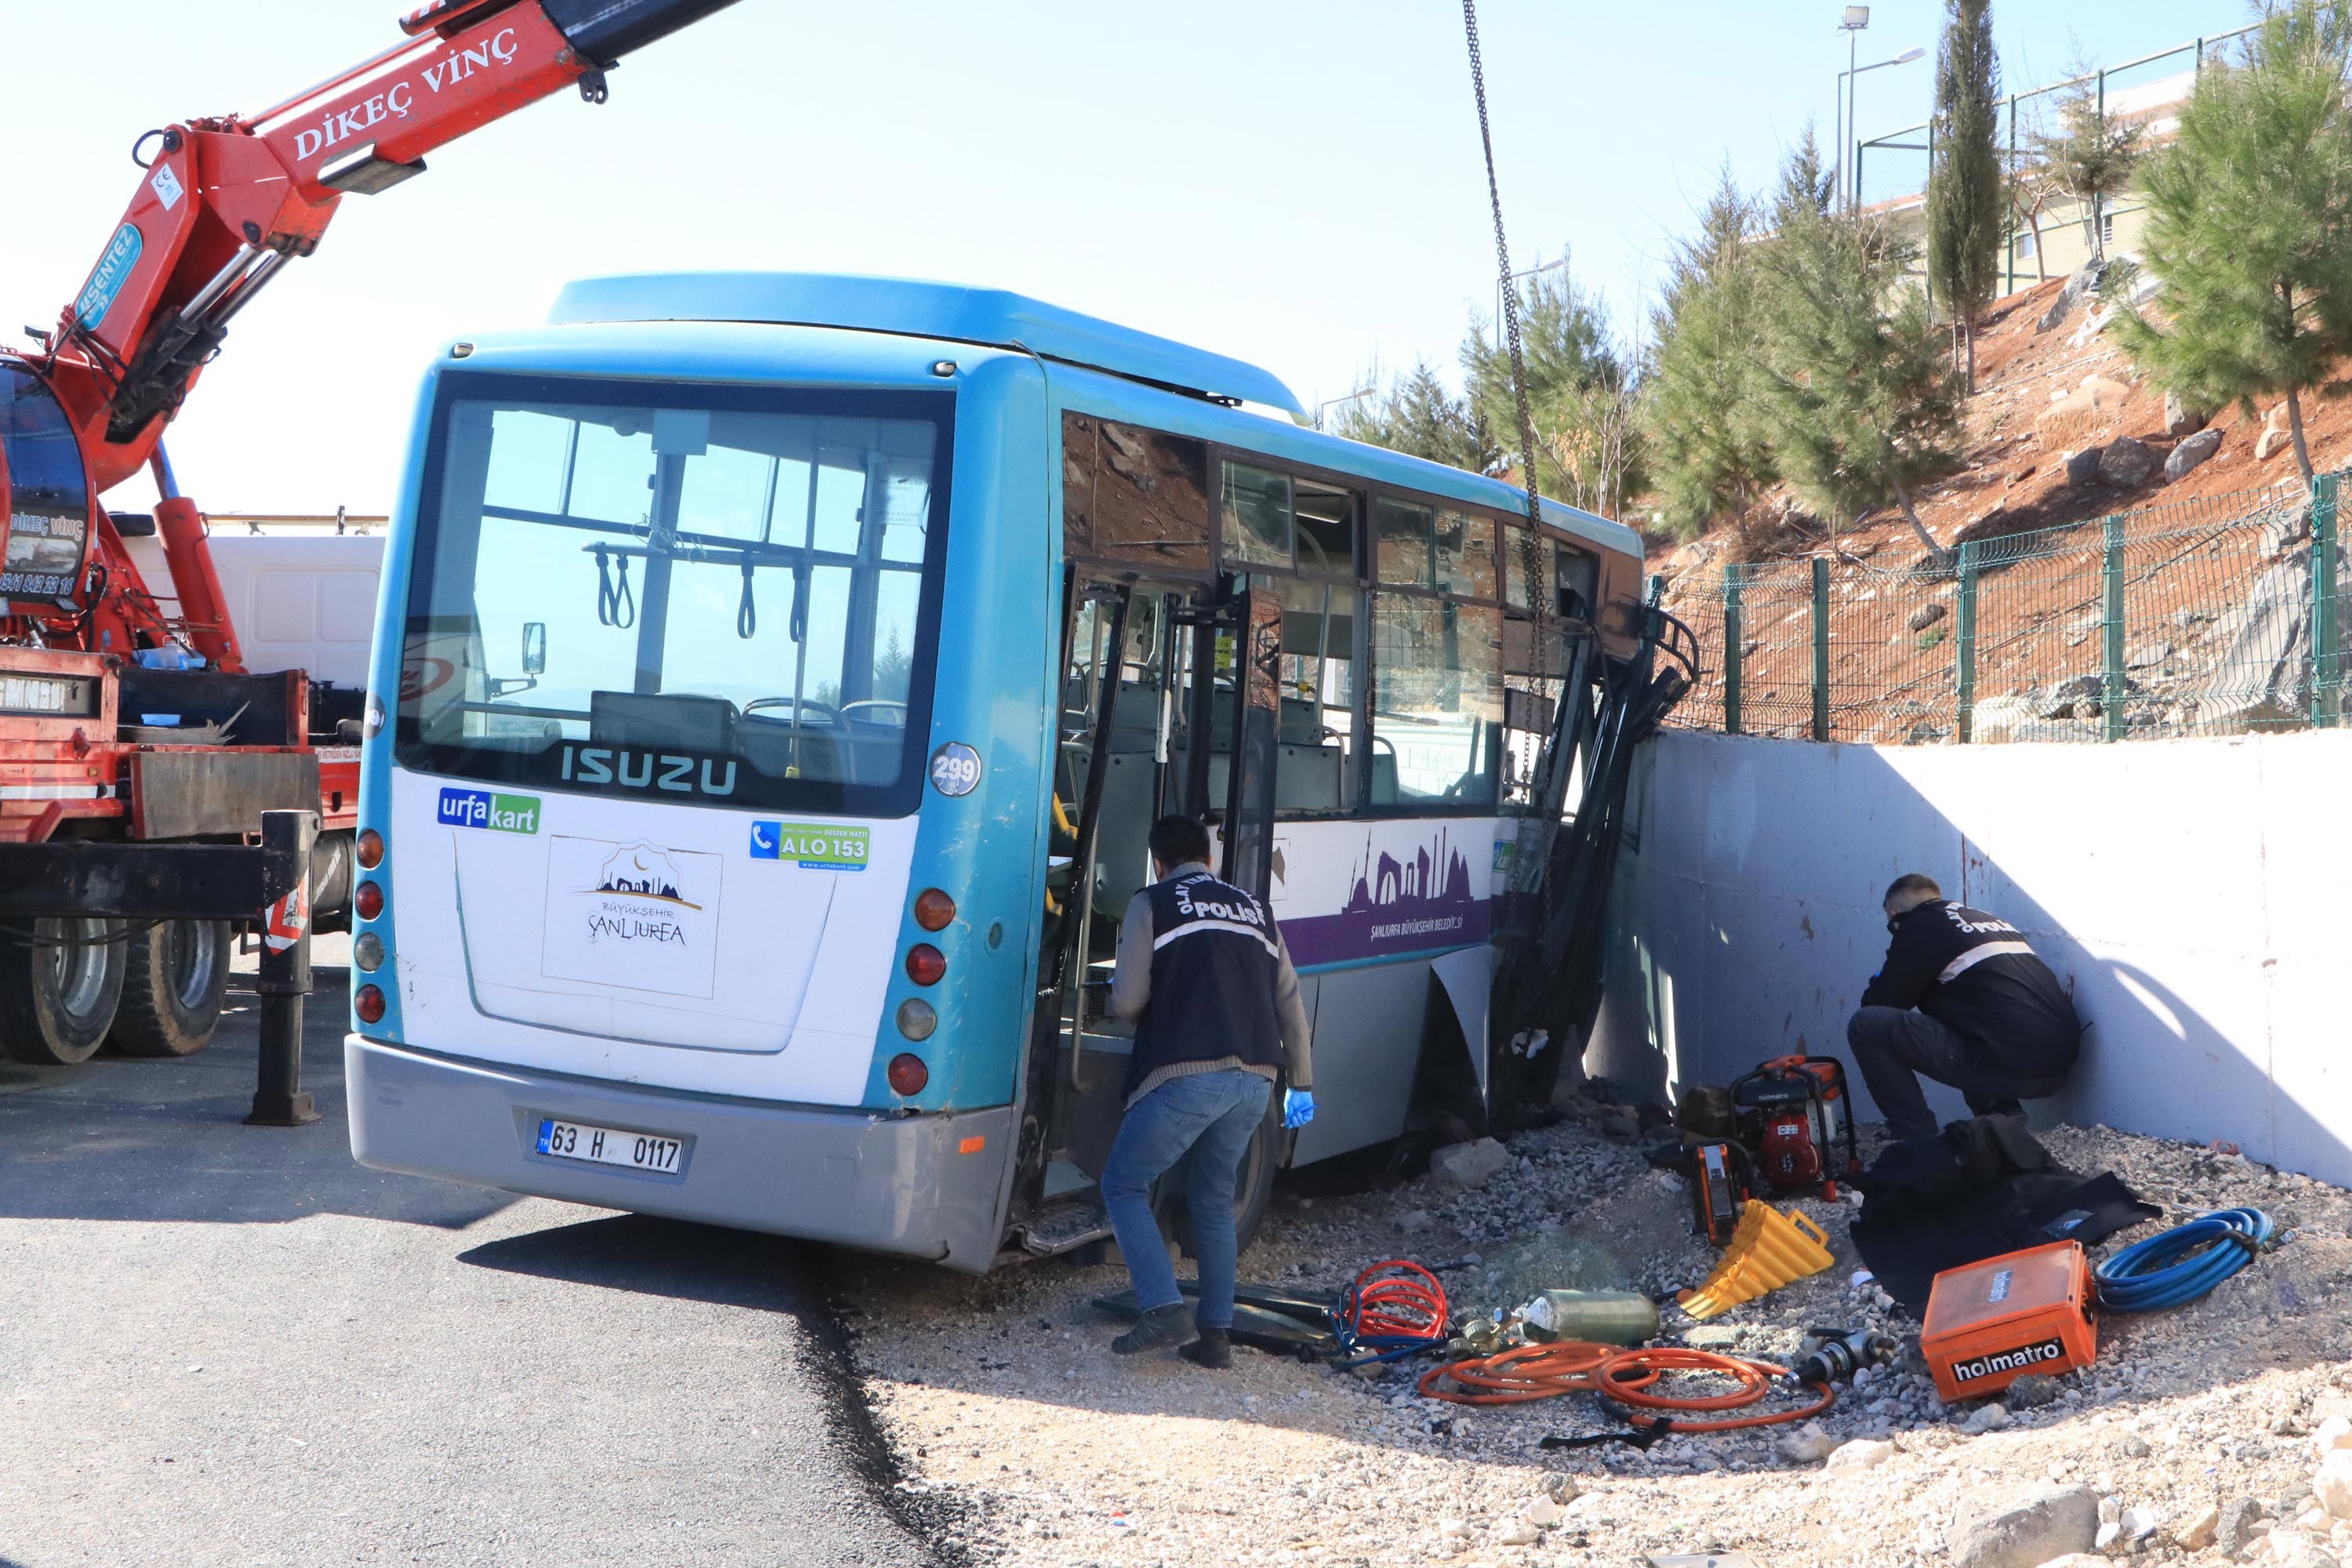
{"x":955,"y":769}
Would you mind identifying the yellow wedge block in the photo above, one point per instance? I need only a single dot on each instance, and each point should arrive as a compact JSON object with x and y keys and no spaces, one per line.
{"x":1767,"y":1250}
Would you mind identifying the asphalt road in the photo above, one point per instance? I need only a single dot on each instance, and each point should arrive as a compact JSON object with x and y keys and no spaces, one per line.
{"x":230,"y":1345}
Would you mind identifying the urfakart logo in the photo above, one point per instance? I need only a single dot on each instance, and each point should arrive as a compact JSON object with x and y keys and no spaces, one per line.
{"x":2021,"y":1358}
{"x":498,"y":813}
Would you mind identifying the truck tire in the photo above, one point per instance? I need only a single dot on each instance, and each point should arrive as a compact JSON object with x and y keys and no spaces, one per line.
{"x":175,"y":979}
{"x":1252,"y":1183}
{"x":58,"y":991}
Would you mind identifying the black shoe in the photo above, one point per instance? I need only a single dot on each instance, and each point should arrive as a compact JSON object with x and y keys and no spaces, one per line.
{"x":1214,"y":1349}
{"x":1162,"y":1327}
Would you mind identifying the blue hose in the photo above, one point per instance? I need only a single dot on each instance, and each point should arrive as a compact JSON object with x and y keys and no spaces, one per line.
{"x":2162,"y":1272}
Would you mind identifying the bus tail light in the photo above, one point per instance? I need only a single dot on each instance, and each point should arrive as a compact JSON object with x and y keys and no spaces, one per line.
{"x":369,"y":900}
{"x":369,"y":852}
{"x":916,"y":1018}
{"x":933,"y":910}
{"x":367,"y":951}
{"x":368,"y":1003}
{"x":925,"y":963}
{"x":907,"y":1074}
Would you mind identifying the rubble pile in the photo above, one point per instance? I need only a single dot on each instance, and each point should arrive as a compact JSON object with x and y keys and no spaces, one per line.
{"x":2222,"y":1431}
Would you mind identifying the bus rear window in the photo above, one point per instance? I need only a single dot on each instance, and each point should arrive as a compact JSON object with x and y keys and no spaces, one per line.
{"x":684,"y":592}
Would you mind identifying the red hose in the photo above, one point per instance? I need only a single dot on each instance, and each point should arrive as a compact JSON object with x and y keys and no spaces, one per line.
{"x":1630,"y":1378}
{"x":1393,"y":1300}
{"x":1627,"y":1377}
{"x":1520,"y":1374}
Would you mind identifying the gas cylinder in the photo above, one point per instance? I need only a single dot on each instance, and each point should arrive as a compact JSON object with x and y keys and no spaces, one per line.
{"x":1596,"y":1317}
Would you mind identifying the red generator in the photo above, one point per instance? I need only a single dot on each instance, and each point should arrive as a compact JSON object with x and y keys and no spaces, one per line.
{"x":1793,"y":1114}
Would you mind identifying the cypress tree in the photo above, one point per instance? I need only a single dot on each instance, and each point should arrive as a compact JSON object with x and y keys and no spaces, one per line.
{"x":1709,"y":455}
{"x":1965,"y":201}
{"x":1860,"y":403}
{"x":2250,"y":223}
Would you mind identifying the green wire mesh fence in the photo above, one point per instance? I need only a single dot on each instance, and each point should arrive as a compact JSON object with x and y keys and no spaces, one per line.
{"x":2215,"y":616}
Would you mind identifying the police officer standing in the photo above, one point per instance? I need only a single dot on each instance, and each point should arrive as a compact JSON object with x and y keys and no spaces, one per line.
{"x":1203,"y":976}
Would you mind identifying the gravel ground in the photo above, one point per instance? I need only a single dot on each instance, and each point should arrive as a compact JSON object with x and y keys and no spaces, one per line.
{"x":1001,"y":1392}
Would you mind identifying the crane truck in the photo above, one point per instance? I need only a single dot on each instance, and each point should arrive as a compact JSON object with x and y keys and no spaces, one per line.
{"x":137,"y":749}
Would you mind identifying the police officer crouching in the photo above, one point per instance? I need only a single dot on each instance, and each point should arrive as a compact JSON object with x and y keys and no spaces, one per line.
{"x":1203,"y":976}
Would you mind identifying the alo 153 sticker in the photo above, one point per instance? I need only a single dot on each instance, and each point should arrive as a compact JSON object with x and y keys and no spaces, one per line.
{"x":812,"y":846}
{"x":955,"y":769}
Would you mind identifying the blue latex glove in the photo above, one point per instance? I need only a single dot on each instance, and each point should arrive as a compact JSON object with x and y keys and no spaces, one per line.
{"x":1297,"y":1107}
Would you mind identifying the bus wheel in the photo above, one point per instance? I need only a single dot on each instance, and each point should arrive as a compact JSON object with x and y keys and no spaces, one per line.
{"x":1252,"y":1184}
{"x":58,"y":991}
{"x":175,"y":979}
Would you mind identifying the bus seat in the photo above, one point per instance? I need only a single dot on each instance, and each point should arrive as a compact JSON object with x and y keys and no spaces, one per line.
{"x":1301,"y":723}
{"x":1136,"y":726}
{"x":1384,"y":778}
{"x":767,"y":746}
{"x":1306,"y":778}
{"x":1123,"y":832}
{"x":662,"y":719}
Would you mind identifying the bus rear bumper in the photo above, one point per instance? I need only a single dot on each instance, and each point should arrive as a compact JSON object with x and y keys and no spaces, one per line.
{"x":923,"y":1185}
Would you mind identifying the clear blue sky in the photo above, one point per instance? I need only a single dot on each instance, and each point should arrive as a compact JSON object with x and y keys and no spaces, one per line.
{"x":1296,"y":181}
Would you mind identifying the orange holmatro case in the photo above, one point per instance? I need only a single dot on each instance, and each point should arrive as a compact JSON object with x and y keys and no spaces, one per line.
{"x":1992,"y":1322}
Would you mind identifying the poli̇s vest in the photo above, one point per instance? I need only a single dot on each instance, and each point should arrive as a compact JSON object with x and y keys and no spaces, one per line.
{"x":1213,"y":961}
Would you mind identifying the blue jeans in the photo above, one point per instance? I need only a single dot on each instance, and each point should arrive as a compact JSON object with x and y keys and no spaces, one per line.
{"x":1213,"y":1114}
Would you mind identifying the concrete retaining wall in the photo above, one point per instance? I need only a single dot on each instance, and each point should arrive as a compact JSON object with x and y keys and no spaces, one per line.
{"x":2192,"y":895}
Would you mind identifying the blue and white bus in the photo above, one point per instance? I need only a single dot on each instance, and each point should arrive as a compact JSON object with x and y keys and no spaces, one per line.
{"x":776,"y":677}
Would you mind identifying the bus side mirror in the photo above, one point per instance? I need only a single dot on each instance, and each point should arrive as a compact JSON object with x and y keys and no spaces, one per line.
{"x":534,"y":647}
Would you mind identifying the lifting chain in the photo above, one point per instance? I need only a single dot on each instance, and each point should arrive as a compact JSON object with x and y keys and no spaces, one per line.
{"x":1531,"y":542}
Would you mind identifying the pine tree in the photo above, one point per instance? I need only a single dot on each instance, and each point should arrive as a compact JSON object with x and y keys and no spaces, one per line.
{"x":1861,"y":403}
{"x":1708,"y":453}
{"x":1581,"y":394}
{"x":1965,"y":201}
{"x":2250,"y":223}
{"x":1415,"y":415}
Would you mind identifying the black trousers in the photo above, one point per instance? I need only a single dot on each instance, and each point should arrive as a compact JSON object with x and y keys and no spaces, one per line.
{"x":1894,"y":1046}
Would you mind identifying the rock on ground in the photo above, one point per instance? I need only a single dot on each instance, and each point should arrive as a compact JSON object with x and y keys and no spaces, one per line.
{"x":1471,"y":1165}
{"x":2006,"y":1531}
{"x":2127,"y":462}
{"x":2181,"y":419}
{"x":2332,"y":1483}
{"x":2191,"y":451}
{"x":1862,"y":1454}
{"x":2080,"y":283}
{"x":2083,"y":466}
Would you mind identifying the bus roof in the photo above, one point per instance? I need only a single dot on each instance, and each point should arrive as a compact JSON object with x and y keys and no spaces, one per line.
{"x":955,"y":311}
{"x":999,"y":318}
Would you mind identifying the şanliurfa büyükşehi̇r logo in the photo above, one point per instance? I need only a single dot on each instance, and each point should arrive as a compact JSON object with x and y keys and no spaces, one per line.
{"x":642,"y":871}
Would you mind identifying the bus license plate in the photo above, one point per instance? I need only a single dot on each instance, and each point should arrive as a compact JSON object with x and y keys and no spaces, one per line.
{"x":608,"y":1146}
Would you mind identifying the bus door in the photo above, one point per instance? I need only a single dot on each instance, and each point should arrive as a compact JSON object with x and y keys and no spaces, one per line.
{"x":1156,"y":681}
{"x":1255,"y":618}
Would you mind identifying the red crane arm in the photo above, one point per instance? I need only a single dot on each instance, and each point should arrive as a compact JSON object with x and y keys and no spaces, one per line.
{"x":222,"y":206}
{"x":226,"y":202}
